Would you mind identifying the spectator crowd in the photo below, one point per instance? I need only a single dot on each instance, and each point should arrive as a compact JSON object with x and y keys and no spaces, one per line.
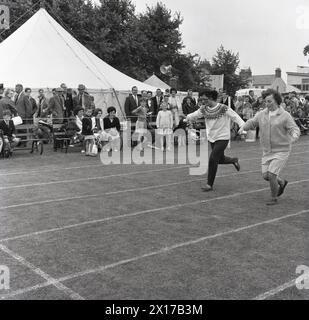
{"x":84,"y":122}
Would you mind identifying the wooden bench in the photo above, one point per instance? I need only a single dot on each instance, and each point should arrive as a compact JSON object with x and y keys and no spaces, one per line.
{"x":26,"y":133}
{"x":60,"y":140}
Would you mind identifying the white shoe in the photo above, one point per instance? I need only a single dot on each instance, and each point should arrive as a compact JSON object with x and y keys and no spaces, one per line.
{"x":83,"y":151}
{"x":115,"y":150}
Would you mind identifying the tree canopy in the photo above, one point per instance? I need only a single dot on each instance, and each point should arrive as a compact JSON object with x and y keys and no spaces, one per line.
{"x":135,"y":44}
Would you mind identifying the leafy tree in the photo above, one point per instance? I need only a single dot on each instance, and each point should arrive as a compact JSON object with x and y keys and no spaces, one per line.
{"x":226,"y":62}
{"x":163,"y":40}
{"x":118,"y":39}
{"x":20,"y":12}
{"x":306,"y":50}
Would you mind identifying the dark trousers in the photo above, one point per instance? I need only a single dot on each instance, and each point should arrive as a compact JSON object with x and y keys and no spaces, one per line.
{"x":217,"y":157}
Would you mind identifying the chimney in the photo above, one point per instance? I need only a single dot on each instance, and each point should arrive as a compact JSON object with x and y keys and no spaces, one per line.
{"x":278,"y":73}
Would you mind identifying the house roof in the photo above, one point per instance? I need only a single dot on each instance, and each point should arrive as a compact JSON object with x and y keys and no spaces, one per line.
{"x":300,"y":74}
{"x":267,"y":79}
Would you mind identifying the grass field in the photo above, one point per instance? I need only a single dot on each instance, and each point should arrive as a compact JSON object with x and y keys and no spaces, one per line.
{"x":71,"y":228}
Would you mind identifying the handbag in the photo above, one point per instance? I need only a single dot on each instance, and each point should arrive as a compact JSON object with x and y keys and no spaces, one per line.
{"x":251,"y":136}
{"x":17,"y":121}
{"x":94,"y":149}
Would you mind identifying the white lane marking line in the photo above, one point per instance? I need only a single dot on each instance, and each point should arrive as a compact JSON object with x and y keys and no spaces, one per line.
{"x":25,"y":290}
{"x":72,"y":294}
{"x":101,"y":165}
{"x":92,"y":179}
{"x":89,"y":196}
{"x":180,"y":245}
{"x":99,"y":178}
{"x":134,"y":214}
{"x":278,"y":289}
{"x":161,"y":251}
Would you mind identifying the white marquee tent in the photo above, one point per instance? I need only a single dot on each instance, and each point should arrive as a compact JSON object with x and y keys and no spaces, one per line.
{"x":42,"y":54}
{"x":156,"y":82}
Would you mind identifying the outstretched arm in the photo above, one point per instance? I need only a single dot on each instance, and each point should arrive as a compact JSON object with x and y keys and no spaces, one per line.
{"x":235,"y":117}
{"x":250,"y":124}
{"x":195,"y":115}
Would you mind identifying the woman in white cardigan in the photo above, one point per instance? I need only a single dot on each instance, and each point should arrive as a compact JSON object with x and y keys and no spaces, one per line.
{"x":218,"y":127}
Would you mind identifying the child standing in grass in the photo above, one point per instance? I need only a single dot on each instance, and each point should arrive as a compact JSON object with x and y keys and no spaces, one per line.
{"x":87,"y":132}
{"x":165,"y":125}
{"x":141,"y":123}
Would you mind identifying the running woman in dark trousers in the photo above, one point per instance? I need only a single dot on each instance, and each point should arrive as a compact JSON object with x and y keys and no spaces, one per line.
{"x":218,"y":127}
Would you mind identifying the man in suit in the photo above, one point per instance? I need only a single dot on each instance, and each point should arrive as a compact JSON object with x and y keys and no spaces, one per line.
{"x":43,"y":108}
{"x":56,"y":106}
{"x":6,"y":103}
{"x":251,"y":97}
{"x":83,"y":99}
{"x":131,"y":103}
{"x":23,"y":104}
{"x":157,"y":100}
{"x":68,"y":101}
{"x":32,"y":101}
{"x":227,"y":100}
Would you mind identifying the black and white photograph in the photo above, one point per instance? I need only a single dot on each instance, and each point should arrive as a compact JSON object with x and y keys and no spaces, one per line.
{"x":154,"y":152}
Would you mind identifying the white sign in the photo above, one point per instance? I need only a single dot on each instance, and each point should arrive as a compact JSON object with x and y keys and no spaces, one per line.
{"x":4,"y":278}
{"x":4,"y":17}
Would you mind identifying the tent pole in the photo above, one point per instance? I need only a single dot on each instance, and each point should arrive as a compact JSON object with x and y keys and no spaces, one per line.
{"x":123,"y":114}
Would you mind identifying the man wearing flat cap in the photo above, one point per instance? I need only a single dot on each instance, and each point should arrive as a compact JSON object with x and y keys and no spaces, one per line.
{"x":83,"y":99}
{"x":56,"y":106}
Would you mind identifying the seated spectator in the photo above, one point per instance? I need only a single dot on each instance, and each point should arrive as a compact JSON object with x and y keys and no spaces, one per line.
{"x":181,"y":131}
{"x":112,"y":128}
{"x":97,"y":121}
{"x":79,"y":115}
{"x":73,"y":131}
{"x":189,"y":106}
{"x":189,"y":96}
{"x":87,"y":132}
{"x":98,"y":126}
{"x":6,"y":103}
{"x":7,"y":128}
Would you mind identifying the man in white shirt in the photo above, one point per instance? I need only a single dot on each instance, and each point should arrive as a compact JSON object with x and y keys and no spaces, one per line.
{"x":217,"y":119}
